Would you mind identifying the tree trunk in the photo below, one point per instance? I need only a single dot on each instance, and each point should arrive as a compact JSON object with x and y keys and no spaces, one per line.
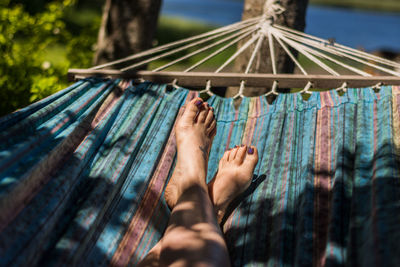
{"x":128,"y":27}
{"x":293,"y":17}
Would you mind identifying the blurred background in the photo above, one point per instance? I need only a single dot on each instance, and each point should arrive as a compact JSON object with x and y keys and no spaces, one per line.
{"x":41,"y":39}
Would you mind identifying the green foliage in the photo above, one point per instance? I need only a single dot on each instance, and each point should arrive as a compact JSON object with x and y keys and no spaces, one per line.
{"x":27,"y":73}
{"x":23,"y":37}
{"x":80,"y":48}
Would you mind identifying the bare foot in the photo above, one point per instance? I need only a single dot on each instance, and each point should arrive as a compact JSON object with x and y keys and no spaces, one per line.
{"x":235,"y":171}
{"x":233,"y":177}
{"x":194,"y":131}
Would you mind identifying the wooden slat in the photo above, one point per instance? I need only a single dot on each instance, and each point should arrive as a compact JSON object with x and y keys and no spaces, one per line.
{"x":199,"y":79}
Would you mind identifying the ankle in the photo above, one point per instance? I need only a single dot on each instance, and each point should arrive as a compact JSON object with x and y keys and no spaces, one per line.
{"x":194,"y":182}
{"x":194,"y":191}
{"x":219,"y":213}
{"x":195,"y":172}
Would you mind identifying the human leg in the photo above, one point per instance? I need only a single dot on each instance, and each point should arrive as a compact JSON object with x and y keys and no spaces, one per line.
{"x":235,"y":171}
{"x":193,"y":236}
{"x":192,"y":218}
{"x":233,"y":177}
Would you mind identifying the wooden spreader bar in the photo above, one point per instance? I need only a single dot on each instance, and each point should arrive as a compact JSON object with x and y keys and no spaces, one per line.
{"x":199,"y":79}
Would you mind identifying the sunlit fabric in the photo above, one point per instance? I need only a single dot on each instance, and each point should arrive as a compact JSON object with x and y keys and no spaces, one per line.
{"x":82,"y":175}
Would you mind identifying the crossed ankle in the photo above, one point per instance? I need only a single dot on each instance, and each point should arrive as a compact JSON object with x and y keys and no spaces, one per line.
{"x":194,"y":184}
{"x":220,"y":210}
{"x":219,"y":213}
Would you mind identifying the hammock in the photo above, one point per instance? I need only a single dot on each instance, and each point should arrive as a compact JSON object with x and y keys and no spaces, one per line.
{"x":82,"y":172}
{"x":82,"y":175}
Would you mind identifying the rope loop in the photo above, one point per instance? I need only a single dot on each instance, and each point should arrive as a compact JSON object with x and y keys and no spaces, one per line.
{"x":136,"y":81}
{"x":306,"y":89}
{"x":207,"y":90}
{"x":273,"y":89}
{"x":174,"y":84}
{"x":241,"y":90}
{"x":377,"y":87}
{"x":272,"y":9}
{"x":343,"y":88}
{"x":208,"y":85}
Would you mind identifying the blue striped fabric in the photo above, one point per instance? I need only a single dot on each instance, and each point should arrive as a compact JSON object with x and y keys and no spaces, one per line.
{"x":82,"y":175}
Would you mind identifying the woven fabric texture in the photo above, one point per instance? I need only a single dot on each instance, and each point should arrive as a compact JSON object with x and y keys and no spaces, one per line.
{"x":82,"y":175}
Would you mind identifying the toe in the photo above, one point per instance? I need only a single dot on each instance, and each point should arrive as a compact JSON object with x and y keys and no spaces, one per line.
{"x":181,"y":111}
{"x":210,"y":117}
{"x":210,"y":130}
{"x":232,"y":155}
{"x":191,"y":109}
{"x":225,"y":156}
{"x":230,"y":152}
{"x":197,"y":101}
{"x":223,"y":160}
{"x":203,"y":113}
{"x":240,"y":155}
{"x":251,"y":158}
{"x":213,"y":132}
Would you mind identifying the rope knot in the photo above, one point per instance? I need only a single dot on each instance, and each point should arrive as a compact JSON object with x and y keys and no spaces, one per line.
{"x":272,"y":9}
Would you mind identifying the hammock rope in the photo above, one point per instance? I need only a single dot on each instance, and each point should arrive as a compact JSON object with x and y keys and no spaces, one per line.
{"x":176,"y":43}
{"x":338,"y":47}
{"x":297,"y":42}
{"x":220,"y":50}
{"x":253,"y":32}
{"x":201,"y":41}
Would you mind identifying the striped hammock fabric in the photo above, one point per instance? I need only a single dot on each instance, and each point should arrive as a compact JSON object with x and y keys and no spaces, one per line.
{"x":82,"y":175}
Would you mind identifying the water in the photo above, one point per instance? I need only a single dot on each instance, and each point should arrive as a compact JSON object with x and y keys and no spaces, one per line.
{"x":369,"y":30}
{"x":218,"y":12}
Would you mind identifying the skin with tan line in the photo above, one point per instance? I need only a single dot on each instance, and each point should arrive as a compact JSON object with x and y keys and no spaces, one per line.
{"x":193,"y":236}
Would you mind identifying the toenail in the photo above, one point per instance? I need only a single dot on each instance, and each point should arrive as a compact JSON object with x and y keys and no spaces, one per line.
{"x":250,"y":150}
{"x":198,"y":103}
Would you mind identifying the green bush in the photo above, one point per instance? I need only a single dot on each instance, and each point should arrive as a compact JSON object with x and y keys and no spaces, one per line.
{"x":26,"y":73}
